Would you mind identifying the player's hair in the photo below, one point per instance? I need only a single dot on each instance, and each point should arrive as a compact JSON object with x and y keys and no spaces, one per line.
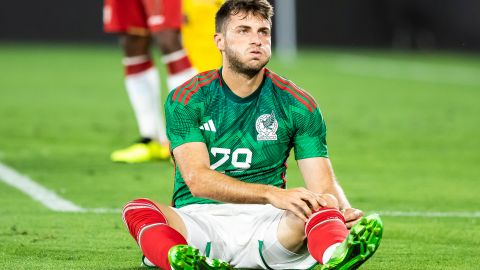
{"x":260,"y":8}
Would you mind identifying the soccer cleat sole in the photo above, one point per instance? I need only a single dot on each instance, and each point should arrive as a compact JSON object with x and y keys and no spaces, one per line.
{"x":183,"y":257}
{"x":361,"y":243}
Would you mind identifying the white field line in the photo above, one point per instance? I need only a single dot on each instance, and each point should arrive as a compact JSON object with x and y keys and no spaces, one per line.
{"x":408,"y":70}
{"x":475,"y":214}
{"x":36,"y":191}
{"x":381,"y":213}
{"x":104,"y":210}
{"x":43,"y":195}
{"x":56,"y":203}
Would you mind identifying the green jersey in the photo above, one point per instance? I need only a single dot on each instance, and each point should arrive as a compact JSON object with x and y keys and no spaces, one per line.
{"x":247,"y":138}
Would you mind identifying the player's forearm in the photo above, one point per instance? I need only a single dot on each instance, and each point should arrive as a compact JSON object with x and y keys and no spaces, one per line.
{"x":319,"y":177}
{"x":337,"y":191}
{"x":210,"y":184}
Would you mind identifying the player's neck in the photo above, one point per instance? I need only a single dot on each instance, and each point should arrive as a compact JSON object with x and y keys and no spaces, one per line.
{"x":241,"y":84}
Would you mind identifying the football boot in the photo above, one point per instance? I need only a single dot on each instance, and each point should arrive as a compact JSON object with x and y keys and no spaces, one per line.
{"x":360,"y":244}
{"x":183,"y":257}
{"x":142,"y":151}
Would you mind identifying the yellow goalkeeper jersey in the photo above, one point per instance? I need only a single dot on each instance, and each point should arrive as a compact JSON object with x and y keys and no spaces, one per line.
{"x":197,"y":33}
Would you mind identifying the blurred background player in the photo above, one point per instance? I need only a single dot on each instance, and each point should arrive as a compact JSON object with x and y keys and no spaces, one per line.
{"x":197,"y":33}
{"x":139,"y":22}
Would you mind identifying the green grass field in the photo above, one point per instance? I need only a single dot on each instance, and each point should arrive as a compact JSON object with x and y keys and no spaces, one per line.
{"x":404,"y":135}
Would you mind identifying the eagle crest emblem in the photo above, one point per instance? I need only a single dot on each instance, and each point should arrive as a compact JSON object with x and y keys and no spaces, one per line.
{"x":266,"y":126}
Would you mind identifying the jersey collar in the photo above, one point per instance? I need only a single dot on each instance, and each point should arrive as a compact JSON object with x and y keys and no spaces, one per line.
{"x":232,"y":96}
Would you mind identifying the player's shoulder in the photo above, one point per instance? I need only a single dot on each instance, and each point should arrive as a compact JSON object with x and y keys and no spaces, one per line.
{"x":193,"y":88}
{"x":290,"y":91}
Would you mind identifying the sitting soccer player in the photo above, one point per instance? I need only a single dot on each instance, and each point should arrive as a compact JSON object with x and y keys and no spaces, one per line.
{"x":231,"y":131}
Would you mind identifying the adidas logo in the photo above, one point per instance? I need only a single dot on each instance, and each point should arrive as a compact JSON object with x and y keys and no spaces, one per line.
{"x":208,"y":126}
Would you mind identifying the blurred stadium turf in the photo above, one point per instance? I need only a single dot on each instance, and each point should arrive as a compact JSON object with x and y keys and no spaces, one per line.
{"x":404,"y":135}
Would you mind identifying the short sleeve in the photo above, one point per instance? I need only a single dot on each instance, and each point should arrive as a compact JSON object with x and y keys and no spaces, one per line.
{"x":183,"y":123}
{"x":310,"y":136}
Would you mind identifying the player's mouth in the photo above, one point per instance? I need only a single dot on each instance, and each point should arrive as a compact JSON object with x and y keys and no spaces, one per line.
{"x":256,"y":52}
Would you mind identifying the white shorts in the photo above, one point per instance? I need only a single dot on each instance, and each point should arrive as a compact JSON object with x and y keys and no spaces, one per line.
{"x":244,"y":235}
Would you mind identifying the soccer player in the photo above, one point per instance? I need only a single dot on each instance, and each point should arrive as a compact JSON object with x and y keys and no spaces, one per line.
{"x":139,"y":22}
{"x":231,"y":131}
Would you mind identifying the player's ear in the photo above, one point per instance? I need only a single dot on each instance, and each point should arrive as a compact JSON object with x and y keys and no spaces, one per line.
{"x":219,"y":41}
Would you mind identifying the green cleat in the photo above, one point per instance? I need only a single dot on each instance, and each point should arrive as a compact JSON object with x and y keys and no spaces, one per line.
{"x":183,"y":257}
{"x":362,"y":241}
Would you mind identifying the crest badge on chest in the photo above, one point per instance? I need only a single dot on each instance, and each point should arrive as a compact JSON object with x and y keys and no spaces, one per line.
{"x":266,"y":126}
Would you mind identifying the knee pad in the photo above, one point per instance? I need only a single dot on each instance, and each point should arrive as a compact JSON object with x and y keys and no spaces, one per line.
{"x":141,"y":213}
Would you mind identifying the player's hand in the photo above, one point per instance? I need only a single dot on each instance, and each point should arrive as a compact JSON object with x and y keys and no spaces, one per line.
{"x":352,"y":216}
{"x":300,"y":201}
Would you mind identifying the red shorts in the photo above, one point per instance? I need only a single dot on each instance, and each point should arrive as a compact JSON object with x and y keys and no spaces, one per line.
{"x":139,"y":17}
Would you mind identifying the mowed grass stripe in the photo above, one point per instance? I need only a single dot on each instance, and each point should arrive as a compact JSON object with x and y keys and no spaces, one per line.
{"x":411,"y":70}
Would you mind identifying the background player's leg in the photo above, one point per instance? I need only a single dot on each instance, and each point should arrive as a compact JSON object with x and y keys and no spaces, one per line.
{"x":142,"y":82}
{"x":156,"y":229}
{"x":143,"y":86}
{"x":179,"y":67}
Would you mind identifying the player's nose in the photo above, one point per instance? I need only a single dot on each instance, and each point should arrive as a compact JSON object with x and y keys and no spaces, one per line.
{"x":255,"y":39}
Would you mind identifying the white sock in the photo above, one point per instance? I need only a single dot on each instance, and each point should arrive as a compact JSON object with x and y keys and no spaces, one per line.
{"x":144,"y":92}
{"x":147,"y":262}
{"x":329,"y":252}
{"x":175,"y":80}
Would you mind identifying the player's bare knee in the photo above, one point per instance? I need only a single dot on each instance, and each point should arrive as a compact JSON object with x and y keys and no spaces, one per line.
{"x":135,"y":45}
{"x":168,"y":41}
{"x":331,"y":200}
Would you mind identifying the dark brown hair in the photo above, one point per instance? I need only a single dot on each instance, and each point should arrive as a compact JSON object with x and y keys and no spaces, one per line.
{"x":260,"y":8}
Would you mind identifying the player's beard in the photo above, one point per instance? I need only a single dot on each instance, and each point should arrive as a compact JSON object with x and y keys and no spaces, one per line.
{"x":243,"y":68}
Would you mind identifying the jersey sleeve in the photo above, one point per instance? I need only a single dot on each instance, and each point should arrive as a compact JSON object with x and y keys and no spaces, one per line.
{"x":183,"y":123}
{"x":310,"y":137}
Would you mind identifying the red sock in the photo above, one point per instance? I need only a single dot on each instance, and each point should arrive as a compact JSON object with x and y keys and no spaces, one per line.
{"x":137,"y":64}
{"x":323,"y":229}
{"x":156,"y":241}
{"x":149,"y":227}
{"x":177,"y":62}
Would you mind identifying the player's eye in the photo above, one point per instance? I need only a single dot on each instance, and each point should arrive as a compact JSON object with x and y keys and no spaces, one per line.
{"x":242,"y":30}
{"x":265,"y":32}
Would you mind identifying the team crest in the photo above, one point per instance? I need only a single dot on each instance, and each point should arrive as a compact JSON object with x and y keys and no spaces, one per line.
{"x":266,"y":126}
